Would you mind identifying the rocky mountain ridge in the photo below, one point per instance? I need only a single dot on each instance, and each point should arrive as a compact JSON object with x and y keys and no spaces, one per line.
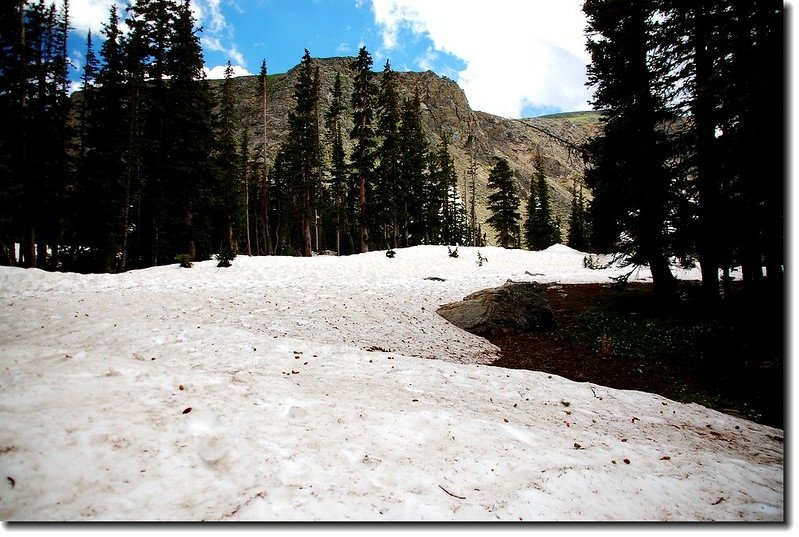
{"x":445,"y":110}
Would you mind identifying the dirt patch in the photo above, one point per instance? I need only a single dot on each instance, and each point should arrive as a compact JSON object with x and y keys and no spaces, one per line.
{"x":729,"y":358}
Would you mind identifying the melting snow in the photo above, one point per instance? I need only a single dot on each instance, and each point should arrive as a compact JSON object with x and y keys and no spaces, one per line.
{"x":327,"y":388}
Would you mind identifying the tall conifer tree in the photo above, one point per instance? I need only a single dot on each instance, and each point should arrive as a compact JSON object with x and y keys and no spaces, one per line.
{"x":190,"y":179}
{"x":106,"y":188}
{"x":541,"y":228}
{"x":414,"y":177}
{"x":503,"y":203}
{"x":264,"y":200}
{"x":625,"y":81}
{"x":364,"y":145}
{"x":388,"y":193}
{"x":231,"y":185}
{"x":578,"y":235}
{"x":302,"y":149}
{"x":339,"y":179}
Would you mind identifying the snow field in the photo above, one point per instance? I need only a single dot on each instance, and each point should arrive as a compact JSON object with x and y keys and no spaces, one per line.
{"x":328,"y":389}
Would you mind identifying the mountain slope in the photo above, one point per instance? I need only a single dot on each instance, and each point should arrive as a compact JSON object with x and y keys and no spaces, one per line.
{"x":445,"y":109}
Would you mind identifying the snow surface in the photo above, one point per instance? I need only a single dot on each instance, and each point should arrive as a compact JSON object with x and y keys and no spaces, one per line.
{"x":327,"y":388}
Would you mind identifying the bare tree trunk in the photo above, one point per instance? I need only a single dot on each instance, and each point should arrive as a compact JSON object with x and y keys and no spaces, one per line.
{"x":307,"y":247}
{"x":362,"y":204}
{"x":247,"y":210}
{"x":268,"y":233}
{"x":191,"y":247}
{"x":30,"y":247}
{"x":123,"y":263}
{"x":709,"y":193}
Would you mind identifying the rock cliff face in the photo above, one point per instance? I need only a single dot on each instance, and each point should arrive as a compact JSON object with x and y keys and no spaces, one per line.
{"x":445,"y":109}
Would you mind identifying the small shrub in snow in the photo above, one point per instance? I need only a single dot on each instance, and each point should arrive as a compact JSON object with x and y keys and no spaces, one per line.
{"x":225,"y":256}
{"x":184,"y":260}
{"x":481,"y":259}
{"x":452,"y":253}
{"x":390,"y":254}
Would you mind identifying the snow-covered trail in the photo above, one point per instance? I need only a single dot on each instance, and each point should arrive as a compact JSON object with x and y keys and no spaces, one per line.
{"x":303,"y":389}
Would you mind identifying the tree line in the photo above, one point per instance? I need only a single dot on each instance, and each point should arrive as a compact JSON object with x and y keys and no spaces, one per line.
{"x":131,"y":171}
{"x":691,"y":160}
{"x":392,"y":190}
{"x":146,"y":162}
{"x":540,"y":228}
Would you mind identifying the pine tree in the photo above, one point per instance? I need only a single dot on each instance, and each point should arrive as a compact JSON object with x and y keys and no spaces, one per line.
{"x":105,"y":180}
{"x":471,"y":174}
{"x":414,"y":177}
{"x":191,"y":183}
{"x":264,"y":207}
{"x":339,"y":180}
{"x":14,"y":97}
{"x":541,"y":228}
{"x":503,"y":204}
{"x":549,"y":228}
{"x":12,"y":127}
{"x":82,"y":225}
{"x":433,"y":198}
{"x":531,"y":231}
{"x":59,"y":173}
{"x":231,"y":185}
{"x":281,"y":207}
{"x":578,"y":238}
{"x":445,"y":198}
{"x":388,"y":191}
{"x":250,"y":189}
{"x":88,"y":86}
{"x":364,"y":145}
{"x":147,"y":47}
{"x":39,"y":110}
{"x":754,"y":124}
{"x":625,"y":79}
{"x":729,"y":90}
{"x":460,"y":227}
{"x":302,"y":149}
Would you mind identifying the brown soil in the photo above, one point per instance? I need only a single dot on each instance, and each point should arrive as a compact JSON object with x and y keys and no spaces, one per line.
{"x":729,"y":359}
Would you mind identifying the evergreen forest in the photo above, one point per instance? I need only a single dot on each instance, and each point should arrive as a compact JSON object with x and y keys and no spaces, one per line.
{"x":145,"y":164}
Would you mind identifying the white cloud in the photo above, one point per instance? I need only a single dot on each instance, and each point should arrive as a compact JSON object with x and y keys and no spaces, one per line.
{"x":217,"y":33}
{"x":85,"y":15}
{"x":218,"y":71}
{"x":517,"y":52}
{"x":214,"y":44}
{"x":427,"y":60}
{"x":209,"y":14}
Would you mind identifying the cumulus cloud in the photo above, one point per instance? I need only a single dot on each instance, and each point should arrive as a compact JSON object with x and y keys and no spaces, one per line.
{"x":517,"y":53}
{"x":217,"y":33}
{"x":427,"y":60}
{"x":85,"y":15}
{"x":218,"y":71}
{"x":215,"y":44}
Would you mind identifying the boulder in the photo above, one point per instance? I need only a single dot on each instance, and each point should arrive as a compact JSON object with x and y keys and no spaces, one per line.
{"x":512,"y":307}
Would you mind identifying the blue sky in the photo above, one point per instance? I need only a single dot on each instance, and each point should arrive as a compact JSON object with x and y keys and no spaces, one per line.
{"x":515,"y":58}
{"x":280,"y":30}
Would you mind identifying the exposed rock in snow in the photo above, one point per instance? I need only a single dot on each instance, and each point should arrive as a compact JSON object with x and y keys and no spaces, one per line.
{"x":517,"y":306}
